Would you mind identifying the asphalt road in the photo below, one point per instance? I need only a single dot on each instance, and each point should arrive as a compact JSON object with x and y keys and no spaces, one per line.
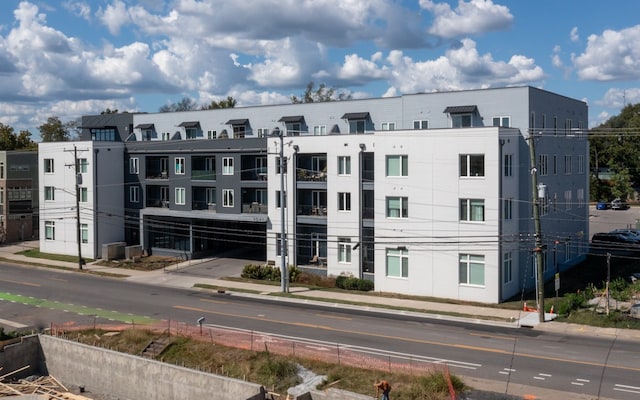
{"x":595,"y":366}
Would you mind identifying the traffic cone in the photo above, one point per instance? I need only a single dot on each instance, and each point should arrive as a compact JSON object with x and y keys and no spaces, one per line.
{"x":551,"y":312}
{"x":524,"y":308}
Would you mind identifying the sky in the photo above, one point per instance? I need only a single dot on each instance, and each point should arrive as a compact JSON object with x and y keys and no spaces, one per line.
{"x":68,"y":58}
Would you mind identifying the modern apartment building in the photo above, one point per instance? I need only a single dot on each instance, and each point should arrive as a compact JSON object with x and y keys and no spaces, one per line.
{"x":426,"y":194}
{"x":18,"y":195}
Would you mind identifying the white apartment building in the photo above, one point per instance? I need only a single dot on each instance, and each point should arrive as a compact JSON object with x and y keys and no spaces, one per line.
{"x":425,"y":194}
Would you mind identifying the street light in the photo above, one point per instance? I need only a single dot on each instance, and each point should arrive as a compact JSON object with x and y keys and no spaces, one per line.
{"x":284,"y":273}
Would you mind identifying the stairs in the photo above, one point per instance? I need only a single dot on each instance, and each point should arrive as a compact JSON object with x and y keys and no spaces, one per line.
{"x":156,"y":347}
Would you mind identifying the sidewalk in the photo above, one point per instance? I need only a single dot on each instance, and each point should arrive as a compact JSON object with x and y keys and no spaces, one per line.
{"x":173,"y":277}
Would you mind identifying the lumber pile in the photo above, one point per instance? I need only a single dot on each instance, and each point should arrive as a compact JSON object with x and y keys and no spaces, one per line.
{"x":47,"y":386}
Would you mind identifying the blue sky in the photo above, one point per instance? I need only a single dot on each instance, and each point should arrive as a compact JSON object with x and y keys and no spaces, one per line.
{"x":69,"y":58}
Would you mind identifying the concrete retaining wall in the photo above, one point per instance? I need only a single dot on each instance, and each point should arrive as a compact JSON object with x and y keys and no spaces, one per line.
{"x":130,"y":377}
{"x":25,"y":352}
{"x":113,"y":251}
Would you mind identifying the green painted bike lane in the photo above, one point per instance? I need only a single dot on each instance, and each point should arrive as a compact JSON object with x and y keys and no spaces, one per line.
{"x":77,"y":309}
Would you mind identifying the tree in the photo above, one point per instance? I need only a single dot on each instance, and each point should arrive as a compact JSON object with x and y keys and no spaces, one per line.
{"x":230,"y":102}
{"x":186,"y":104}
{"x":319,"y":95}
{"x":10,"y":141}
{"x":110,"y":111}
{"x":53,"y":131}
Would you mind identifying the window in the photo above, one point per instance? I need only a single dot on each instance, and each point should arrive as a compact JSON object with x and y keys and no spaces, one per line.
{"x":544,"y":206}
{"x":238,"y":131}
{"x":504,"y":122}
{"x":397,"y":207}
{"x":555,"y":164}
{"x":212,"y":135}
{"x":284,"y":163}
{"x":388,"y":126}
{"x":49,"y":193}
{"x":344,"y":201}
{"x":263,"y":132}
{"x":461,"y":120}
{"x":103,"y":135}
{"x":580,"y":198}
{"x":279,"y":201}
{"x":398,"y":263}
{"x":278,"y":244}
{"x":134,"y":194}
{"x":227,"y":197}
{"x":567,"y":200}
{"x":166,"y":136}
{"x":471,"y":269}
{"x":356,"y":125}
{"x":555,"y":125}
{"x":544,"y":122}
{"x":581,"y":164}
{"x":82,"y":165}
{"x":180,"y":196}
{"x":48,"y":166}
{"x":471,"y":164}
{"x":227,"y":166}
{"x":507,"y":209}
{"x":397,"y":165}
{"x":567,"y":127}
{"x":319,"y":130}
{"x":543,"y":164}
{"x":472,"y":210}
{"x":261,"y":166}
{"x":84,"y":233}
{"x":344,"y":165}
{"x":84,"y":195}
{"x":421,"y":124}
{"x":191,"y":133}
{"x":211,"y":196}
{"x":567,"y":164}
{"x":507,"y":267}
{"x":344,"y":250}
{"x":508,"y":165}
{"x":49,"y":230}
{"x":1,"y":170}
{"x":293,"y":129}
{"x":532,"y":124}
{"x":134,"y":166}
{"x":179,"y":165}
{"x":1,"y":195}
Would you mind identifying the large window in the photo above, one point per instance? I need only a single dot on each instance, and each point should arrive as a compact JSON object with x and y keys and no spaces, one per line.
{"x":508,"y":165}
{"x":50,"y":230}
{"x":504,"y":122}
{"x":397,"y":207}
{"x":84,"y":233}
{"x":388,"y":126}
{"x":83,"y":165}
{"x":357,"y":125}
{"x":344,"y":201}
{"x":507,"y":267}
{"x":180,"y":196}
{"x":212,"y":135}
{"x":49,"y":193}
{"x":48,"y":166}
{"x":179,"y":170}
{"x":227,"y":166}
{"x":471,"y":164}
{"x":543,"y":164}
{"x":581,"y":164}
{"x":344,"y":165}
{"x":84,"y":194}
{"x":461,"y":120}
{"x":471,"y":269}
{"x":507,"y":211}
{"x":134,"y":165}
{"x":567,"y":164}
{"x":421,"y":124}
{"x":319,"y":130}
{"x":104,"y":135}
{"x":344,"y":250}
{"x":398,"y":263}
{"x":472,"y":210}
{"x":397,"y":165}
{"x":134,"y":194}
{"x":227,"y":197}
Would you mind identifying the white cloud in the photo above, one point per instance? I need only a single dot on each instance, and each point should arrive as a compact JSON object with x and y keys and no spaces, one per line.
{"x":78,"y":8}
{"x":573,"y":35}
{"x":357,"y":69}
{"x":614,"y":55}
{"x":472,"y":17}
{"x":114,"y":16}
{"x":617,"y":98}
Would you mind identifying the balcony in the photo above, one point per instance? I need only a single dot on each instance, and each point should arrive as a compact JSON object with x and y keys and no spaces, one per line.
{"x":316,"y":211}
{"x":254,"y":208}
{"x":203,"y":205}
{"x":203,"y":168}
{"x":157,"y":167}
{"x":305,"y":175}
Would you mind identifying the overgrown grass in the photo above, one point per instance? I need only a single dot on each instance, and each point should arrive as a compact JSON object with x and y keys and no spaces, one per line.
{"x":273,"y":371}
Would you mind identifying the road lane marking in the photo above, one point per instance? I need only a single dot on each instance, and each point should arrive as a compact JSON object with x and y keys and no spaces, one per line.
{"x":501,"y":337}
{"x":20,"y":282}
{"x":12,"y":324}
{"x":334,"y":317}
{"x":421,"y":341}
{"x":626,"y":388}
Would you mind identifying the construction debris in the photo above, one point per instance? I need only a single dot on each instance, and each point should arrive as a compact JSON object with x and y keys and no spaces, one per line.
{"x":47,"y":386}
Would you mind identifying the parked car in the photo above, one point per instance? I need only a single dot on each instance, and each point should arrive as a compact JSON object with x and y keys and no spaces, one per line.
{"x":614,"y":242}
{"x":603,"y":205}
{"x":619,"y":204}
{"x":633,"y":233}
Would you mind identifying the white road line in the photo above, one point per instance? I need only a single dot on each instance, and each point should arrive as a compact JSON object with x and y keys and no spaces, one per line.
{"x":12,"y":324}
{"x":503,"y":372}
{"x":546,"y":375}
{"x":577,"y":383}
{"x":583,"y":380}
{"x":626,"y":388}
{"x":539,"y":377}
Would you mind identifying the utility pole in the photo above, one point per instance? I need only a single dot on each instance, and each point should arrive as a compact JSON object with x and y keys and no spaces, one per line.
{"x":536,"y":225}
{"x":608,"y":280}
{"x":284,"y":272}
{"x":78,"y":225}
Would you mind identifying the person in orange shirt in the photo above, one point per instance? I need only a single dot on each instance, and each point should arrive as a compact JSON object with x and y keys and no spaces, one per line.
{"x":384,"y":387}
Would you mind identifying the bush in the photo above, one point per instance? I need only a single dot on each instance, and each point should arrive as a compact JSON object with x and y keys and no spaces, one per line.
{"x":349,"y":282}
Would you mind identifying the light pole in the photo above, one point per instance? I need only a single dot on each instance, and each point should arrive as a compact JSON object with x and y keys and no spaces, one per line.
{"x":78,"y":225}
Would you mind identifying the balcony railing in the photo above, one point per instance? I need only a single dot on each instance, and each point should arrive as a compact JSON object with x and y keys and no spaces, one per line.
{"x":320,"y":211}
{"x":313,"y":176}
{"x":254,"y":208}
{"x":203,"y":175}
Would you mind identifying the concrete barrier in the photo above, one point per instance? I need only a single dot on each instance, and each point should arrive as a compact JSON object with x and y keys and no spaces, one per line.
{"x":113,"y":251}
